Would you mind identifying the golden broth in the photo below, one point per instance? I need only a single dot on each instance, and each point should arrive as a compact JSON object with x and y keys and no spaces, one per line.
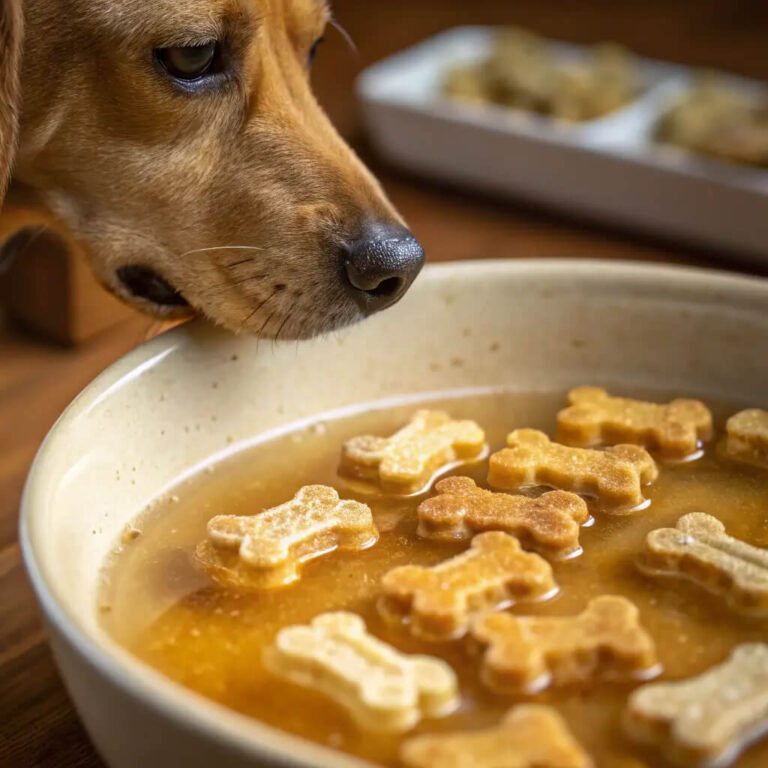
{"x":210,"y":639}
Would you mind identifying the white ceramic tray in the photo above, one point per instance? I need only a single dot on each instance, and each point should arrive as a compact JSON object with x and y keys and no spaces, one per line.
{"x":609,"y":169}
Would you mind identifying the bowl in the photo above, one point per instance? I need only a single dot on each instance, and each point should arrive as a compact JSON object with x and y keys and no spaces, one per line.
{"x":197,"y":392}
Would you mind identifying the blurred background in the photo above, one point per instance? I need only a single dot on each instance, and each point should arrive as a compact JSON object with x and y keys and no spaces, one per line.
{"x":58,"y":329}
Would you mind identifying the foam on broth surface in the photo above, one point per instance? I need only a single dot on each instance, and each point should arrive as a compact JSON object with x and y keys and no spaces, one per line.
{"x":210,"y":639}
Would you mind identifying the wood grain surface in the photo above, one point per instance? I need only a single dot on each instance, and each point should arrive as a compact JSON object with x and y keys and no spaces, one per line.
{"x":38,"y":726}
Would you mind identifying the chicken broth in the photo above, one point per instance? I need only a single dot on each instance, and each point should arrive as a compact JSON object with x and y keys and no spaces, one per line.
{"x":160,"y":605}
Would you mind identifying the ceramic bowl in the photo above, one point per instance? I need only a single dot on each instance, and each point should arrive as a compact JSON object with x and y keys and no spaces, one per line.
{"x":148,"y":419}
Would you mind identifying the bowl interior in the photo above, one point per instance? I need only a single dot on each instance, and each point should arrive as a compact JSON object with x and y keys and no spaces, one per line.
{"x":525,"y":326}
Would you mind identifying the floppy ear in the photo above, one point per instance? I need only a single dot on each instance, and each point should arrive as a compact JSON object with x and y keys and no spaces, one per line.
{"x":11,"y":27}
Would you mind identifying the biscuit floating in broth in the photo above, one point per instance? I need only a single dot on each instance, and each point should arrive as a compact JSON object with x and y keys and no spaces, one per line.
{"x":594,"y":417}
{"x":405,"y":462}
{"x":549,"y":524}
{"x":699,"y":549}
{"x":382,"y":689}
{"x":266,"y":550}
{"x":439,"y":601}
{"x":530,"y":653}
{"x":709,"y":719}
{"x":616,"y":476}
{"x":529,"y":736}
{"x":747,"y":437}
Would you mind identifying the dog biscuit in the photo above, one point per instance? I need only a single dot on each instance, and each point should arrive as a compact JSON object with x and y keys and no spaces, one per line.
{"x":615,"y":476}
{"x":748,"y":437}
{"x":529,"y":736}
{"x":675,"y":430}
{"x":440,"y":600}
{"x":530,"y":653}
{"x":383,"y":689}
{"x":707,"y":719}
{"x":461,"y":509}
{"x":265,"y":550}
{"x":699,"y":549}
{"x":406,"y":462}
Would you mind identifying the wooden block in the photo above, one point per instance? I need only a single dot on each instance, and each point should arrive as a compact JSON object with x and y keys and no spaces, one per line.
{"x":48,"y":289}
{"x":46,"y":285}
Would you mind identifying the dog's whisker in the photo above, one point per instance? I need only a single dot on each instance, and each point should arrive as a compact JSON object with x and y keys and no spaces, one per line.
{"x":345,"y":35}
{"x":266,"y":322}
{"x":137,"y":235}
{"x":245,"y":280}
{"x":222,"y":248}
{"x":285,"y":321}
{"x":238,"y":263}
{"x":222,"y":287}
{"x":257,"y":308}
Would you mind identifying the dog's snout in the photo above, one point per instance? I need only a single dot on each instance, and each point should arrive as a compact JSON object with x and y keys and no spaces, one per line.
{"x":381,"y":264}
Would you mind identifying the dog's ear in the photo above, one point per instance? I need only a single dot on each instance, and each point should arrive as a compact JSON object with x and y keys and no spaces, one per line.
{"x":11,"y":28}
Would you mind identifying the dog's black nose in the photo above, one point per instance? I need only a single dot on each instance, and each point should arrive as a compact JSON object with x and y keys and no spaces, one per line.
{"x":381,"y":265}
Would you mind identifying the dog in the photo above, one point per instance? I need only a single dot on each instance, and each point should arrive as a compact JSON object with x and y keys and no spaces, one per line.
{"x":181,"y":145}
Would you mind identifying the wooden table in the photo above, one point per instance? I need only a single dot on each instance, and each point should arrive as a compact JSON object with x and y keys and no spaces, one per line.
{"x":38,"y":726}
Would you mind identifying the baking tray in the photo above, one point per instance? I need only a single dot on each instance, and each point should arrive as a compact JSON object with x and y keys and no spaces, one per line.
{"x":609,"y":169}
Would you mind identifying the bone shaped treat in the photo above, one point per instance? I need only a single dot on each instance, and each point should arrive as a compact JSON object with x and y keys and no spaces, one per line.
{"x":748,"y":437}
{"x":405,"y":462}
{"x":699,"y":549}
{"x":529,"y":653}
{"x":265,"y":550}
{"x":529,"y":736}
{"x":616,"y":475}
{"x":440,"y":600}
{"x":709,"y":719}
{"x":461,"y":509}
{"x":593,"y":417}
{"x":381,"y":688}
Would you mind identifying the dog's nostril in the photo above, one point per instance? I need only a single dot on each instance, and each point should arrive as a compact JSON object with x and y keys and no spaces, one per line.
{"x":389,"y":287}
{"x":381,"y":264}
{"x":146,"y":284}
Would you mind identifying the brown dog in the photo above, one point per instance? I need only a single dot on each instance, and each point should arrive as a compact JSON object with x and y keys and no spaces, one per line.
{"x":180,"y":142}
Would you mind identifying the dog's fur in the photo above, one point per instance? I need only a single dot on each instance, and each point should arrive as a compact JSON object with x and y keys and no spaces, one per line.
{"x":145,"y":174}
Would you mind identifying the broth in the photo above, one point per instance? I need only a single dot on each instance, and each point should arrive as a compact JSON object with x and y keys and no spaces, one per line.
{"x":209,"y":638}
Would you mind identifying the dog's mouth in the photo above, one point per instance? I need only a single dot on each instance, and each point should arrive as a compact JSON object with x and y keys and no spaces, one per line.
{"x":145,"y":284}
{"x":272,"y":300}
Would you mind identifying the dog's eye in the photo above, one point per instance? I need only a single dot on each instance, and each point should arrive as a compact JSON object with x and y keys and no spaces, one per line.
{"x":313,"y":50}
{"x":188,"y":62}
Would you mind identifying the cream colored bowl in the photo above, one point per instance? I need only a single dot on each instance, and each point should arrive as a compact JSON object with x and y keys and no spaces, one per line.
{"x":149,"y":418}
